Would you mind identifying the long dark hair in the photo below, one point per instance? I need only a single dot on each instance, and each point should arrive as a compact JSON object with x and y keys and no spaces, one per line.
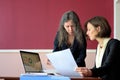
{"x":78,"y":33}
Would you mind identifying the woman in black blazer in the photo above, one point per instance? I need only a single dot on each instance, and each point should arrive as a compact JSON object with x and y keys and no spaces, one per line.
{"x":107,"y":62}
{"x":70,"y":35}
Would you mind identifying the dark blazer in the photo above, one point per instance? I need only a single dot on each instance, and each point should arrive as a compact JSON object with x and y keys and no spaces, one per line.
{"x":110,"y":67}
{"x":79,"y":53}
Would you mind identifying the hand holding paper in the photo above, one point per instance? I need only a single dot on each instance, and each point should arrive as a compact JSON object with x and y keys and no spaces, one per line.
{"x":64,"y":63}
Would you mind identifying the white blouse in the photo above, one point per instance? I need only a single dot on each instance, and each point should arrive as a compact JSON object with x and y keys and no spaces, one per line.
{"x":100,"y":52}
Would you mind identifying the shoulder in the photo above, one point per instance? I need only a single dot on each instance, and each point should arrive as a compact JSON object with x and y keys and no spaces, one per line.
{"x":56,"y":35}
{"x":114,"y":43}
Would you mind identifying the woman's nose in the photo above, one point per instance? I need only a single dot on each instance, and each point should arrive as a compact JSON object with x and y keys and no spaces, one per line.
{"x":70,"y":28}
{"x":87,"y":33}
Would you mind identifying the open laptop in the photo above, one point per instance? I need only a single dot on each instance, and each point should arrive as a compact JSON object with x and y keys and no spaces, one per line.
{"x":32,"y":63}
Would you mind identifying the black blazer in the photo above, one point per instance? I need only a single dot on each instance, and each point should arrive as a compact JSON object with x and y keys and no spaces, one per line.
{"x":110,"y":67}
{"x":79,"y":53}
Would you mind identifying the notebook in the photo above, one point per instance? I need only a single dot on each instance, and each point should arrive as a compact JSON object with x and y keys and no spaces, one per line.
{"x":32,"y":63}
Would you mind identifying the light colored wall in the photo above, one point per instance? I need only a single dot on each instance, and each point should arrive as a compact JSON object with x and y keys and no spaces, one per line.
{"x":117,"y":19}
{"x":11,"y":64}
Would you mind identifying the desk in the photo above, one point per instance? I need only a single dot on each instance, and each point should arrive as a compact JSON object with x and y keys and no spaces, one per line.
{"x":84,"y":78}
{"x":9,"y":78}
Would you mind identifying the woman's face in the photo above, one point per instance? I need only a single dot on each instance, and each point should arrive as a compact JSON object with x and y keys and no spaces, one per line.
{"x":92,"y":31}
{"x":69,"y":27}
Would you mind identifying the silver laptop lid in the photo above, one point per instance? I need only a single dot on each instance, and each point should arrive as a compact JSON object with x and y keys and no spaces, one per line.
{"x":31,"y":62}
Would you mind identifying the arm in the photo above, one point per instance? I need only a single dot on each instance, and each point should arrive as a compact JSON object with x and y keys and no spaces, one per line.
{"x":56,"y":48}
{"x":82,"y":55}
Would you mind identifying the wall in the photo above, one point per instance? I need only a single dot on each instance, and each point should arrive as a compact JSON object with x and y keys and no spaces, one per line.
{"x":11,"y":63}
{"x":117,"y":19}
{"x":32,"y":24}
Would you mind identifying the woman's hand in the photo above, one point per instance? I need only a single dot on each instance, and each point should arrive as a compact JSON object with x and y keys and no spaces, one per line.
{"x":84,"y":71}
{"x":48,"y":62}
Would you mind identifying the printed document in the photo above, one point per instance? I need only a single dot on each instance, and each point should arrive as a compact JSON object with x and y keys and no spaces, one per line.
{"x":64,"y":63}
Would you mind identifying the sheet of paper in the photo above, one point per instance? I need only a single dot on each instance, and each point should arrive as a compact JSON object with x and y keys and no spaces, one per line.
{"x":64,"y":63}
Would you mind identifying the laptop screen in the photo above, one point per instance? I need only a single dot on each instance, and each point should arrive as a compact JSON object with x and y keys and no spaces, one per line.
{"x":31,"y":62}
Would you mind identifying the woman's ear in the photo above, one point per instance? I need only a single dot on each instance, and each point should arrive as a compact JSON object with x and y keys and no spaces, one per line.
{"x":98,"y":28}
